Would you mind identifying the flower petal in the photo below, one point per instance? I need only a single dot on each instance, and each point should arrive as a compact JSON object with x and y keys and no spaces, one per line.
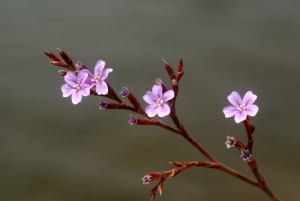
{"x":249,"y":98}
{"x":82,"y":75}
{"x":163,"y":110}
{"x":230,"y":111}
{"x":151,"y":110}
{"x":67,"y":90}
{"x":150,"y":98}
{"x":157,"y":91}
{"x":89,"y":78}
{"x":240,"y":116}
{"x":85,"y":91}
{"x":76,"y":97}
{"x":105,"y":72}
{"x":235,"y":99}
{"x":101,"y":88}
{"x":70,"y":78}
{"x":168,"y":95}
{"x":99,"y":67}
{"x":251,"y":110}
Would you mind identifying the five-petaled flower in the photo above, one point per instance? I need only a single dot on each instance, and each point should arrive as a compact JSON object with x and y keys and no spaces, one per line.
{"x":76,"y":86}
{"x":157,"y":101}
{"x":98,"y":78}
{"x":241,"y":108}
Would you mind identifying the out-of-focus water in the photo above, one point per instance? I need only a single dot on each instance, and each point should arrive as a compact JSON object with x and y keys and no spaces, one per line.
{"x":53,"y":150}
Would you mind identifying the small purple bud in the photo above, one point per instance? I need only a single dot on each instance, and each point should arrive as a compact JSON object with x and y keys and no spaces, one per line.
{"x":125,"y":92}
{"x":79,"y":66}
{"x":245,"y":154}
{"x":133,"y":120}
{"x":62,"y":72}
{"x":158,"y":81}
{"x":147,"y":179}
{"x":230,"y":142}
{"x":102,"y":105}
{"x":174,"y":82}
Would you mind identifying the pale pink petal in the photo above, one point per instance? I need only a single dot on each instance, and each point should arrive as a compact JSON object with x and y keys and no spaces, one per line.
{"x":230,"y":111}
{"x":251,"y":110}
{"x":235,"y":99}
{"x":105,"y":72}
{"x":101,"y":88}
{"x":168,"y":95}
{"x":240,"y":116}
{"x":163,"y":110}
{"x":89,"y":78}
{"x":151,"y":110}
{"x":85,"y":91}
{"x":249,"y":98}
{"x":67,"y":90}
{"x":157,"y":91}
{"x":150,"y":98}
{"x":70,"y":78}
{"x":82,"y":75}
{"x":99,"y":67}
{"x":86,"y":85}
{"x":76,"y":97}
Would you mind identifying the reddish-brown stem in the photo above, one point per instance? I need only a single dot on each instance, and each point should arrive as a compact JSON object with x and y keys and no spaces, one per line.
{"x":113,"y":94}
{"x":191,"y":140}
{"x":136,"y":104}
{"x":122,"y":106}
{"x":250,"y":130}
{"x":252,"y":163}
{"x":218,"y":166}
{"x":262,"y":185}
{"x":155,"y":122}
{"x":235,"y":174}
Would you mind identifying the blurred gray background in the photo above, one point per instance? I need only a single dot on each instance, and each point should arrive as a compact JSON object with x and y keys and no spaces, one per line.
{"x":53,"y":150}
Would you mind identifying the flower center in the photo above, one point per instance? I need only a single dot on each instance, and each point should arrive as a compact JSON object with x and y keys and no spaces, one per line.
{"x":97,"y":78}
{"x":76,"y":86}
{"x":232,"y":142}
{"x":241,"y":107}
{"x":159,"y":102}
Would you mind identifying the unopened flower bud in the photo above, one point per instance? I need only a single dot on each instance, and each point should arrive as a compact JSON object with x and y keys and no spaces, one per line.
{"x":133,"y":120}
{"x":102,"y":105}
{"x":245,"y":154}
{"x":62,"y":72}
{"x":147,"y":179}
{"x":124,"y":92}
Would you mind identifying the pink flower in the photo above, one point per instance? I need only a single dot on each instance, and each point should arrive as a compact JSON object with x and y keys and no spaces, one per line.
{"x":76,"y":86}
{"x":241,"y":108}
{"x":98,"y":78}
{"x":157,"y":101}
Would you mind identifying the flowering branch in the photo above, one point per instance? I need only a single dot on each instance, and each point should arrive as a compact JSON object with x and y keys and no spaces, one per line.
{"x":81,"y":82}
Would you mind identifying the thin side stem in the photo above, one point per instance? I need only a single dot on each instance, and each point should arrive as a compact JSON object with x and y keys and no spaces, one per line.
{"x":262,"y":185}
{"x":191,"y":140}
